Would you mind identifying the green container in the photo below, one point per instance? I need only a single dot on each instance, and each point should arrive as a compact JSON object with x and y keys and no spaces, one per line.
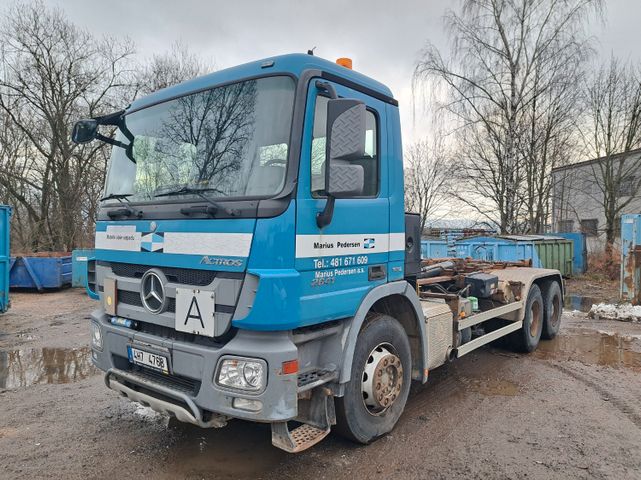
{"x":556,"y":253}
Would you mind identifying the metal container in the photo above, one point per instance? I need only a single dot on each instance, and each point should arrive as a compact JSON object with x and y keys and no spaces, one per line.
{"x":495,"y":249}
{"x":557,"y":253}
{"x":79,"y":259}
{"x":631,"y":258}
{"x":5,"y":218}
{"x":545,"y":251}
{"x":580,"y":259}
{"x":434,"y":249}
{"x":40,"y":272}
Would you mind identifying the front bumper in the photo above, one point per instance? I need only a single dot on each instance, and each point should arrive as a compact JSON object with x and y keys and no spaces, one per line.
{"x":190,"y":392}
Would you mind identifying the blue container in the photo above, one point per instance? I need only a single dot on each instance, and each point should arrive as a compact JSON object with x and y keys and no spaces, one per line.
{"x":79,"y":259}
{"x":434,"y":249}
{"x":5,"y":218}
{"x":40,"y":272}
{"x":497,"y":249}
{"x":544,"y":251}
{"x":580,"y":258}
{"x":631,"y":258}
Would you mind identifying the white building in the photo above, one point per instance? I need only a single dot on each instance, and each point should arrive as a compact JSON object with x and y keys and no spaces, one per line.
{"x":577,"y":198}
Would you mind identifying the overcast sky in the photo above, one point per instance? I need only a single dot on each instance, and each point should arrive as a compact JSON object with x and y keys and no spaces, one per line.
{"x":383,"y":37}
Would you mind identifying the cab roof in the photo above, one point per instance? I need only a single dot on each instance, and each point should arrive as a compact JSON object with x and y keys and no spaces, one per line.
{"x":294,"y":63}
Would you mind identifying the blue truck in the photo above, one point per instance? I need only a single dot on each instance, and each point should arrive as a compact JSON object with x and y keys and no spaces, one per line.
{"x":254,"y":260}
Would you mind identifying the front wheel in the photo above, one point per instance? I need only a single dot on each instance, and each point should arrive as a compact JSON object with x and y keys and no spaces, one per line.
{"x":380,"y":381}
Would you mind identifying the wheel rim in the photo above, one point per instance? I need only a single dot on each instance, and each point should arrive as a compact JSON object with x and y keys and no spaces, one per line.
{"x":535,"y":311}
{"x":382,"y":379}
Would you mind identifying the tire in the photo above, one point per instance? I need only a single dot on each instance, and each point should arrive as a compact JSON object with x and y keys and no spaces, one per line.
{"x":381,"y":338}
{"x":527,"y":338}
{"x":552,"y":310}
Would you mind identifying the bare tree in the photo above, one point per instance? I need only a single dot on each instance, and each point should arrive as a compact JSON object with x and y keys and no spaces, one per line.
{"x":611,"y":130}
{"x":549,"y":136}
{"x":427,"y":179}
{"x":169,"y":68}
{"x":51,"y":74}
{"x":506,"y":82}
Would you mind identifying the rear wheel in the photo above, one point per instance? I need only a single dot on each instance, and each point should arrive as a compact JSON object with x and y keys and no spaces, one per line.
{"x":527,"y":338}
{"x":553,"y":308}
{"x":380,"y":381}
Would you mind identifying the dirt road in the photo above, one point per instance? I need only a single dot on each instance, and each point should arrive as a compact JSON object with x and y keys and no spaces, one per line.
{"x":570,"y":410}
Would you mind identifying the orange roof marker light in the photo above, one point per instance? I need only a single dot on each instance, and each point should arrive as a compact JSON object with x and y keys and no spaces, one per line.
{"x":344,"y":62}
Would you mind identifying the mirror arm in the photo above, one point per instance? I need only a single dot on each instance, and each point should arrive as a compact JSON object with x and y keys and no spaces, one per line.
{"x":116,"y":119}
{"x":110,"y":141}
{"x":328,"y":88}
{"x":324,"y":218}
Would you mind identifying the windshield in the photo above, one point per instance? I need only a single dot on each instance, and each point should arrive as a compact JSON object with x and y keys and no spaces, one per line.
{"x":230,"y":141}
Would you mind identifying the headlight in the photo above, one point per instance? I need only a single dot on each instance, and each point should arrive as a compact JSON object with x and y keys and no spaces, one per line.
{"x":242,"y":374}
{"x":96,"y":336}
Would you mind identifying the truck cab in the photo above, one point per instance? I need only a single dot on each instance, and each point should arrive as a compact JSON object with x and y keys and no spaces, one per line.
{"x":253,"y":257}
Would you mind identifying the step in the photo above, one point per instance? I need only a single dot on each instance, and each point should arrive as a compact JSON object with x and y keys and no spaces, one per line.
{"x":316,"y":415}
{"x":314,"y":378}
{"x":299,"y":439}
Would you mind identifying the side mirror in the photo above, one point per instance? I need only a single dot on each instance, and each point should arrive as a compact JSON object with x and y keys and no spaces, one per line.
{"x":84,"y":131}
{"x":345,"y":141}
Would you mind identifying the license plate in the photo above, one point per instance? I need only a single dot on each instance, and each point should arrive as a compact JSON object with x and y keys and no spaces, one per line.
{"x":147,"y":359}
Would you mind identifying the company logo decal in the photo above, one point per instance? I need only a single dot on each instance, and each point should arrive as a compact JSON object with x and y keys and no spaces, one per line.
{"x":152,"y":291}
{"x":369,"y":243}
{"x":212,"y":244}
{"x":152,"y":242}
{"x":220,"y":261}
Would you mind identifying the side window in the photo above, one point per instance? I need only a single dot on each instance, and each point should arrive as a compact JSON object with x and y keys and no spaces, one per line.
{"x":590,"y":227}
{"x":369,"y":162}
{"x":566,"y":226}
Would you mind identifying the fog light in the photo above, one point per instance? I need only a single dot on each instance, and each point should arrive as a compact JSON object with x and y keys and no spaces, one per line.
{"x":124,"y":322}
{"x":247,"y":404}
{"x":242,"y":374}
{"x":96,"y":336}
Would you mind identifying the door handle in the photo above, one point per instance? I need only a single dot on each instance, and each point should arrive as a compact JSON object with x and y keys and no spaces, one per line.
{"x":376,"y":272}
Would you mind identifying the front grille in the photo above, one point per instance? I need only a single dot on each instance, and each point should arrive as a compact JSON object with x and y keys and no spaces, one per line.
{"x":91,"y":275}
{"x":186,"y":276}
{"x":133,"y":298}
{"x":172,"y":334}
{"x":175,"y":382}
{"x":128,"y":297}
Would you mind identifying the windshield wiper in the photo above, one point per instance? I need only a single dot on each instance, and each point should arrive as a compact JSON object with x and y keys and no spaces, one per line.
{"x":210,"y":209}
{"x":127,"y":211}
{"x":117,"y":196}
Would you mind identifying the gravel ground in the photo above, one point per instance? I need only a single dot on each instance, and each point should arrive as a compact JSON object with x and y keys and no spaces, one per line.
{"x":569,"y":410}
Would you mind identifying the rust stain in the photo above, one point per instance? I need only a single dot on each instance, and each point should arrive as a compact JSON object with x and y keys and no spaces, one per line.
{"x":631,"y":268}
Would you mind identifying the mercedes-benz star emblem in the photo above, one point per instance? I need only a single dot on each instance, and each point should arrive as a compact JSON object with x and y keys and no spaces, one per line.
{"x":152,"y":291}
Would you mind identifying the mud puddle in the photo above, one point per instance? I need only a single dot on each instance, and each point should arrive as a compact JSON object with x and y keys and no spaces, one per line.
{"x":492,"y":386}
{"x":239,"y":450}
{"x":579,"y":302}
{"x":593,"y":348}
{"x":22,"y":368}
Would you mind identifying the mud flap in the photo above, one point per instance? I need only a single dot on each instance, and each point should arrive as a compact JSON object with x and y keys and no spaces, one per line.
{"x":317,"y":415}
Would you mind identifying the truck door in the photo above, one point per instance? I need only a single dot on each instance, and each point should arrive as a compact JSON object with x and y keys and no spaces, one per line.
{"x":341,"y":262}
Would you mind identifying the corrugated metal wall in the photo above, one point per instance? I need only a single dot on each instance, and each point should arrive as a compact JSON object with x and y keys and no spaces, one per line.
{"x":631,"y":258}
